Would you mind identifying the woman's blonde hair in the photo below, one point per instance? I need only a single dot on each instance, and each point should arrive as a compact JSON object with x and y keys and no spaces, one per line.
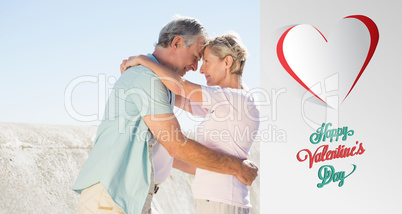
{"x":230,"y":45}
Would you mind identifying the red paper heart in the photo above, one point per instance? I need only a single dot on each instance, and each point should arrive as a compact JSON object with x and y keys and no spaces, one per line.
{"x":374,"y":37}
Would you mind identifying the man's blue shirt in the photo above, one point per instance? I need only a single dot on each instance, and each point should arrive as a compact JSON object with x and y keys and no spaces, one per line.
{"x":120,"y":158}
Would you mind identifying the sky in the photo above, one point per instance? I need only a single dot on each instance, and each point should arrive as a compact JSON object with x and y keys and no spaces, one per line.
{"x":58,"y":59}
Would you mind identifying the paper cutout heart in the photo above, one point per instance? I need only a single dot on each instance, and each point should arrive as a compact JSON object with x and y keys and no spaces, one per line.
{"x":309,"y":58}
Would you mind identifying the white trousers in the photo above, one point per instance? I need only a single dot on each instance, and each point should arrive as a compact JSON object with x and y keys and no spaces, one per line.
{"x":212,"y":207}
{"x":95,"y":199}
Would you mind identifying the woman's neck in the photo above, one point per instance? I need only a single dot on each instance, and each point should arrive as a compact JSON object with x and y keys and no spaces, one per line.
{"x":233,"y":81}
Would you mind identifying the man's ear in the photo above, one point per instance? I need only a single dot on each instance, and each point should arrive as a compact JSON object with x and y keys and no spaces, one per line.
{"x":177,"y":42}
{"x":228,"y":61}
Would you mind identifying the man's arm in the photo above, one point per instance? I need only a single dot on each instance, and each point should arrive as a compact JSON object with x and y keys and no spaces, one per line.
{"x":183,"y":166}
{"x":166,"y":129}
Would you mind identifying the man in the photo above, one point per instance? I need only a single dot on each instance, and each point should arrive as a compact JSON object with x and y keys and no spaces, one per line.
{"x":140,"y":136}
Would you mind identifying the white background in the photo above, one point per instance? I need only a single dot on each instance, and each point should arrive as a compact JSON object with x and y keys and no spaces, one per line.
{"x":372,"y":110}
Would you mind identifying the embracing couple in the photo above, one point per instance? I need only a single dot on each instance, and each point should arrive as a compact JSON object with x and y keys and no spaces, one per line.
{"x":140,"y":140}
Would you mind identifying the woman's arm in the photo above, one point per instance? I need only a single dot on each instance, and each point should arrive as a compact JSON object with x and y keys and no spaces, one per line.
{"x":170,"y":79}
{"x":183,"y":103}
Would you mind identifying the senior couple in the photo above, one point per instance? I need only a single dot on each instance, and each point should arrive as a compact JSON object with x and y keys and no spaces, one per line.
{"x":139,"y":140}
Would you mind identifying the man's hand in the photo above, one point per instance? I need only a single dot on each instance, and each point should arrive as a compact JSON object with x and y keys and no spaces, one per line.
{"x":248,"y":172}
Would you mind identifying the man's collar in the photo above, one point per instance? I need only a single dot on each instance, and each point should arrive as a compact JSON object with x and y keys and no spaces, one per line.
{"x":151,"y":56}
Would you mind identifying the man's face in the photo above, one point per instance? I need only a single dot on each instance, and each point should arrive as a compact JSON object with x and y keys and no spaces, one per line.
{"x":187,"y":58}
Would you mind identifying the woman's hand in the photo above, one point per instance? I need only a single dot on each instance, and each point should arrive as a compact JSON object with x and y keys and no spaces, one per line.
{"x":131,"y":62}
{"x":123,"y":66}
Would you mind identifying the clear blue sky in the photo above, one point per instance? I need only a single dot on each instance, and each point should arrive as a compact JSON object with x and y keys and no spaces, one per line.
{"x":44,"y":45}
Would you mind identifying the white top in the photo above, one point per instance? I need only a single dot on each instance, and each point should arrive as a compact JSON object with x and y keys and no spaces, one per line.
{"x":162,"y":161}
{"x":161,"y":158}
{"x":230,"y":126}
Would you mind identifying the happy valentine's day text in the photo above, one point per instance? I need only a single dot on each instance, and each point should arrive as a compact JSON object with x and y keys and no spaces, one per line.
{"x":323,"y":153}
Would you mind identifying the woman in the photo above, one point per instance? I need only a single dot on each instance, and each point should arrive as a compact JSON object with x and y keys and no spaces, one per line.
{"x":230,"y":124}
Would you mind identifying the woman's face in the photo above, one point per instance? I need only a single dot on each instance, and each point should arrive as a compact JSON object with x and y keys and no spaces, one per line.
{"x":213,"y":68}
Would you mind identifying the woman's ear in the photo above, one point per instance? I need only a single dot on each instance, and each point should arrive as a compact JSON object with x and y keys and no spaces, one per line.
{"x":228,"y":61}
{"x":177,"y":42}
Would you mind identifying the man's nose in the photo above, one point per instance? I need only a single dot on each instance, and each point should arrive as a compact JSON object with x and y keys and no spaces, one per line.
{"x":194,"y":66}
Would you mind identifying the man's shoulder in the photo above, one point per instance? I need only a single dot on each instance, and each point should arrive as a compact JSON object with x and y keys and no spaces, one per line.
{"x":139,"y":72}
{"x":136,"y":76}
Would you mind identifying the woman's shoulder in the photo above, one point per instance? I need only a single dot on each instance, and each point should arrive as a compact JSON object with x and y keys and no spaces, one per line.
{"x":243,"y":93}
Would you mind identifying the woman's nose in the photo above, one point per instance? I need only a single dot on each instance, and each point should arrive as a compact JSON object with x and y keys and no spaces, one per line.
{"x":202,"y":69}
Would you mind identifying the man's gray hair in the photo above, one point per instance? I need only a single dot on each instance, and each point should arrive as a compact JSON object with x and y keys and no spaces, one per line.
{"x":189,"y":28}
